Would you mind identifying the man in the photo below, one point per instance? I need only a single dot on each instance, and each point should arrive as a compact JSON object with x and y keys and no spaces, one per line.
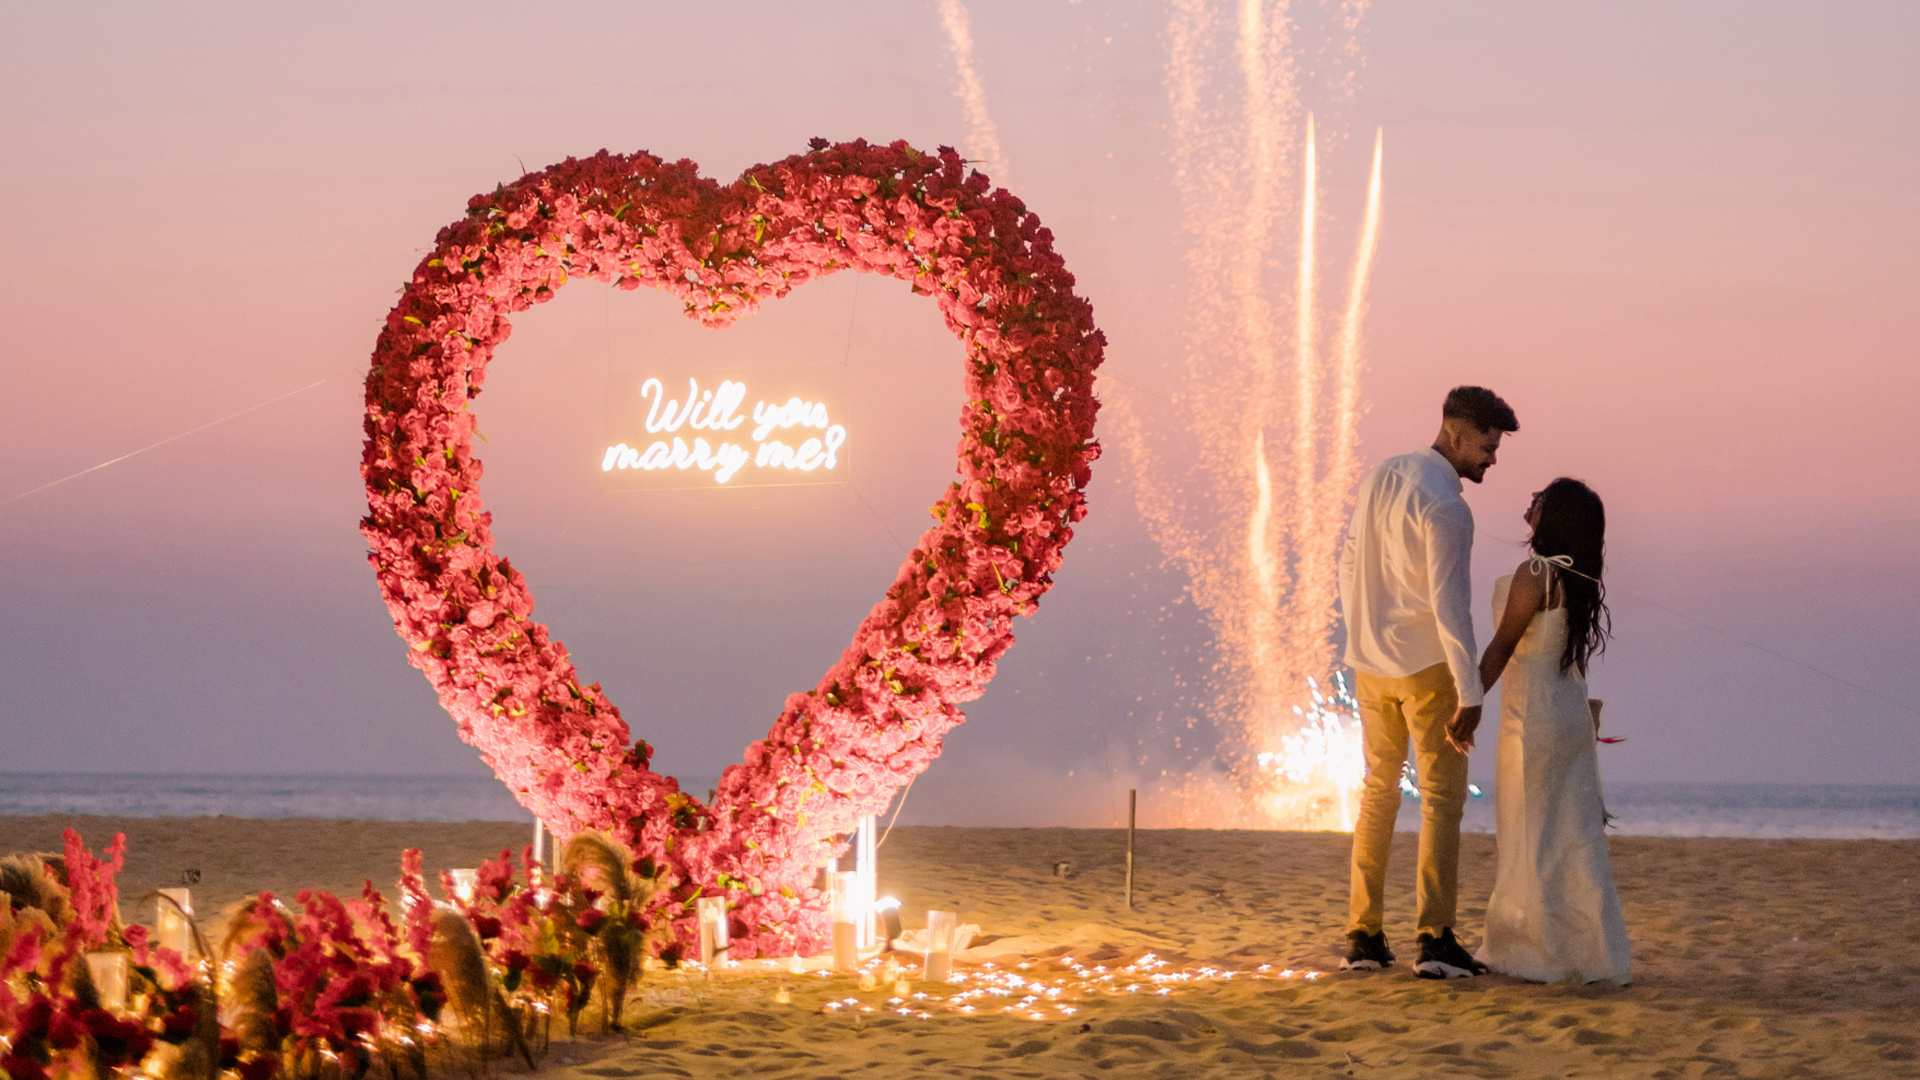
{"x":1407,"y":599}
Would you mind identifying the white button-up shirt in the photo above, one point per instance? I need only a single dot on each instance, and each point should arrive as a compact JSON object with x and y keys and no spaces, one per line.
{"x":1404,"y":574}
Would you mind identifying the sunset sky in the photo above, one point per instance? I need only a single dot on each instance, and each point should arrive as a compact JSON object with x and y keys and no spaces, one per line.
{"x":1683,"y":240}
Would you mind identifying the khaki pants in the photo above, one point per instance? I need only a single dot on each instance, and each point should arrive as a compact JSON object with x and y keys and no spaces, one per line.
{"x":1418,"y":705}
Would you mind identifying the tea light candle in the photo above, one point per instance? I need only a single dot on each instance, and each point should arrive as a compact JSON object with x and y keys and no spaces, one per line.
{"x":173,"y":925}
{"x":109,"y":973}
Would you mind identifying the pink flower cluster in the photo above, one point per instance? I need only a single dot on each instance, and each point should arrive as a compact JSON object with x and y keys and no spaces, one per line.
{"x":46,"y":1027}
{"x":876,"y":719}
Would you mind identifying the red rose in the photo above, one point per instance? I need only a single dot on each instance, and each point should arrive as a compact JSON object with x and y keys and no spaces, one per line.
{"x":590,"y":919}
{"x":21,"y":1067}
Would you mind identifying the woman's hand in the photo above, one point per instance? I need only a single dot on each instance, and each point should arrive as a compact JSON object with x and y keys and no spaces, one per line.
{"x":1460,"y":729}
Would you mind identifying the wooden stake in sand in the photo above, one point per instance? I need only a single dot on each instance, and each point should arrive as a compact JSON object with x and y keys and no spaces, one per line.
{"x":1133,"y":802}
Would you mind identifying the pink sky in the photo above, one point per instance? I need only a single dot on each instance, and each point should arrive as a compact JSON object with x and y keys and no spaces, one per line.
{"x":1683,"y":240}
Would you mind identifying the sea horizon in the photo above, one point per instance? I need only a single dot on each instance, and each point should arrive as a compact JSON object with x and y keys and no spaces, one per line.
{"x":1644,"y":808}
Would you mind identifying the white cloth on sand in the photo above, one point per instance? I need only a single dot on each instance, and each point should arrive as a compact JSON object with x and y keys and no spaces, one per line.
{"x":1554,"y":913}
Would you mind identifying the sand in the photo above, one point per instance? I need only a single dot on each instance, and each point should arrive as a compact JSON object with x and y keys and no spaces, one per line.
{"x":1753,"y":958}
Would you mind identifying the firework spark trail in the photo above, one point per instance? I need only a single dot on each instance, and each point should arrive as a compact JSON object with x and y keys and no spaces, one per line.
{"x":1261,"y":122}
{"x":983,"y":138}
{"x":1269,"y":98}
{"x":1243,"y":515}
{"x":1343,"y":470}
{"x":1266,"y":568}
{"x":1310,"y":591}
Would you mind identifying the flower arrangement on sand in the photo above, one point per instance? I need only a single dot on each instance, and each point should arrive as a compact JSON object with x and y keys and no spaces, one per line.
{"x":324,"y":990}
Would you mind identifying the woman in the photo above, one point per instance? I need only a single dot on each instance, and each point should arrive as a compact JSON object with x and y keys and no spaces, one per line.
{"x":1554,"y":913}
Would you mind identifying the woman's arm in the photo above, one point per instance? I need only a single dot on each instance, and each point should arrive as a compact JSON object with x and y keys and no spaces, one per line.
{"x":1525,"y":597}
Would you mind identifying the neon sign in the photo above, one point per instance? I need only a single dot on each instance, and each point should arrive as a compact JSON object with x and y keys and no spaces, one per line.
{"x":792,"y":439}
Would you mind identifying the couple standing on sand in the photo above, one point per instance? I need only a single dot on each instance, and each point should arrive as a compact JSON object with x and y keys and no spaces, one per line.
{"x":1406,"y":594}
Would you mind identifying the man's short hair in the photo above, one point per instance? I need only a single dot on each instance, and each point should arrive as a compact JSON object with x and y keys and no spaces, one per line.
{"x":1480,"y":407}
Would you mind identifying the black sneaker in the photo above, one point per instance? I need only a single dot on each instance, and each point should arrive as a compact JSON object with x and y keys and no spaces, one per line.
{"x":1443,"y":958}
{"x":1366,"y":952}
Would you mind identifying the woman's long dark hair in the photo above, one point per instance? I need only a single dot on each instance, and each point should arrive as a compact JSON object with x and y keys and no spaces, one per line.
{"x":1573,"y":521}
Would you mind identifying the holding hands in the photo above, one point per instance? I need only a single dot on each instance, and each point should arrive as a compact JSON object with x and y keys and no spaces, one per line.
{"x":1461,"y":728}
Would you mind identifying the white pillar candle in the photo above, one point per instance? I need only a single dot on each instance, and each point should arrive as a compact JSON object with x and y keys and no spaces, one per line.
{"x":173,"y":925}
{"x":711,"y":913}
{"x":940,"y":925}
{"x":866,"y":847}
{"x":843,"y":890}
{"x":109,"y":973}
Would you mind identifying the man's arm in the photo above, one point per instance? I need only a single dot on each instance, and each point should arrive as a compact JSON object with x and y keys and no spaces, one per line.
{"x":1449,"y":555}
{"x":1349,"y":566}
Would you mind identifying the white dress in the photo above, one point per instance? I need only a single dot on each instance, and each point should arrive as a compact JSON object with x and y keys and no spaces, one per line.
{"x":1554,"y":913}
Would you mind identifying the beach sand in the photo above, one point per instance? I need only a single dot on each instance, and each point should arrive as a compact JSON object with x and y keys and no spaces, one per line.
{"x":1753,"y":958}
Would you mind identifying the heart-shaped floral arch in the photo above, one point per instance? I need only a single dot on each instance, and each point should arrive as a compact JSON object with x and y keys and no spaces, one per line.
{"x":840,"y":750}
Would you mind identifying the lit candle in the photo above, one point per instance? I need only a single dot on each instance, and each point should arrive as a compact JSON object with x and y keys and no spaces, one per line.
{"x":463,"y":883}
{"x":939,"y":965}
{"x":174,"y":924}
{"x":711,"y":913}
{"x":109,"y":973}
{"x":866,"y":846}
{"x":844,"y":888}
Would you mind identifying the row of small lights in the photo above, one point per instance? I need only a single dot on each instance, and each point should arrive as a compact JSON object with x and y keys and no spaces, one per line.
{"x":974,"y":991}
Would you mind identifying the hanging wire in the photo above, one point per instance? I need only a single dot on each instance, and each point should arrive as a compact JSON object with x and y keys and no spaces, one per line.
{"x":899,"y":806}
{"x":876,"y":516}
{"x":1770,"y":651}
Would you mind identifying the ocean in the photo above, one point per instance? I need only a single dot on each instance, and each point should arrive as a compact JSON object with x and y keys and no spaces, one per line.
{"x":1771,"y":811}
{"x":1756,"y":811}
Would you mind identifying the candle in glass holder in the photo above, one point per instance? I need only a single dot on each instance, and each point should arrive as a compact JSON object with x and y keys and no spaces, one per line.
{"x":464,"y":882}
{"x":711,"y":913}
{"x":109,"y":973}
{"x":844,"y":889}
{"x":940,"y":926}
{"x":174,"y":922}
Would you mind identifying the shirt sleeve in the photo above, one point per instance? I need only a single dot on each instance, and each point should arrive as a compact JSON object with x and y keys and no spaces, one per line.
{"x":1349,"y":560}
{"x":1449,"y":564}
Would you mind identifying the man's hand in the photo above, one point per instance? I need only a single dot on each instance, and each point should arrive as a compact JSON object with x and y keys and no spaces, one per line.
{"x":1460,"y":730}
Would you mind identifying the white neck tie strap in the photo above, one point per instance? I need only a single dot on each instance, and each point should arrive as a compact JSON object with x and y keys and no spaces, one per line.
{"x":1539,"y":563}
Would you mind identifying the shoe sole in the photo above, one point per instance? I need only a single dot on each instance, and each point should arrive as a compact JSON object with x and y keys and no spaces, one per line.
{"x":1434,"y":969}
{"x":1361,"y":965}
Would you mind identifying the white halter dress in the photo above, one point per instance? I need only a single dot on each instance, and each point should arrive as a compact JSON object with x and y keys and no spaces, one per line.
{"x":1554,"y":913}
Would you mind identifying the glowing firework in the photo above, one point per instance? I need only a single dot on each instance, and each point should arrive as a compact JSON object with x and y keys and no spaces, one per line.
{"x":1249,"y":500}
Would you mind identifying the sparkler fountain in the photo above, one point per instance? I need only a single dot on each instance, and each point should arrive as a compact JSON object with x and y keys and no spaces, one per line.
{"x":1245,"y":487}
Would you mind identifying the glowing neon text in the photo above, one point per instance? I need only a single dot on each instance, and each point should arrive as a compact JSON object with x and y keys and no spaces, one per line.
{"x":716,"y":411}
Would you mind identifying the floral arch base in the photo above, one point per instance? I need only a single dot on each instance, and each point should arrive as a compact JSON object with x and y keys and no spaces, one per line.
{"x":840,"y":750}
